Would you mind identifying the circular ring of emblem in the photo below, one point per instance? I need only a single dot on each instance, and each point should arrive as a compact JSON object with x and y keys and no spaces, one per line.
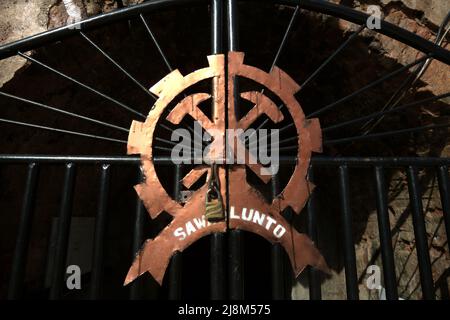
{"x":247,"y":209}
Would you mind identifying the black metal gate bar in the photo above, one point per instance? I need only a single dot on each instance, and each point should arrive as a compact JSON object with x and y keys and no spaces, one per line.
{"x":23,"y":234}
{"x":351,"y":278}
{"x":59,"y":261}
{"x":316,"y":161}
{"x":361,"y":162}
{"x":175,"y":276}
{"x":445,"y":201}
{"x":236,"y":237}
{"x":217,"y":26}
{"x":217,"y":266}
{"x":217,"y":275}
{"x":277,"y":268}
{"x":54,"y":159}
{"x":138,"y":237}
{"x":176,"y":262}
{"x":277,"y":265}
{"x":236,"y":265}
{"x":315,"y":292}
{"x":100,"y":230}
{"x":384,"y":229}
{"x":423,"y":256}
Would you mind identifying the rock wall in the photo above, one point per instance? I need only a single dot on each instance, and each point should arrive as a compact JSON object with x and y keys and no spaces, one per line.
{"x":22,"y":18}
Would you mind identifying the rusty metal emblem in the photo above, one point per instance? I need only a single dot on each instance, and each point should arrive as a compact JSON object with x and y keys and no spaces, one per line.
{"x":248,"y":210}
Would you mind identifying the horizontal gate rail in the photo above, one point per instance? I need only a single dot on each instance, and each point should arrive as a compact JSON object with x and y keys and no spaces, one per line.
{"x":389,"y":162}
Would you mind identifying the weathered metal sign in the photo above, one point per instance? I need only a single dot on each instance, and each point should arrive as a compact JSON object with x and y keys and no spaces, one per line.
{"x":248,"y":210}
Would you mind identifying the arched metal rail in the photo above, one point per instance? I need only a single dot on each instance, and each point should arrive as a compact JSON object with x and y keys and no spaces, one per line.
{"x":325,"y":7}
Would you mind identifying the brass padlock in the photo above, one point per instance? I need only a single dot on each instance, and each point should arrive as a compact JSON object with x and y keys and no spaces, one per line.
{"x":214,"y":207}
{"x":213,"y":201}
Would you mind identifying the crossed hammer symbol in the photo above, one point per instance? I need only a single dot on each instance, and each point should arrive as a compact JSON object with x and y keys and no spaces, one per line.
{"x":190,"y":106}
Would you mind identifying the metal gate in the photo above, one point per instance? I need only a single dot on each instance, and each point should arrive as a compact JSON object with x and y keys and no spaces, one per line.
{"x":227,"y":255}
{"x":231,"y":284}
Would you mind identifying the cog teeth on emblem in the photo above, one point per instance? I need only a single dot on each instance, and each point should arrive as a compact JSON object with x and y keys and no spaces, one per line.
{"x":172,"y":79}
{"x":263,"y":105}
{"x":284,"y":81}
{"x":315,"y":134}
{"x":136,"y":138}
{"x":307,"y":254}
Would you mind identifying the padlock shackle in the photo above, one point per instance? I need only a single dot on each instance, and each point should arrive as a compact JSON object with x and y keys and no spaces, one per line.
{"x":213,"y":180}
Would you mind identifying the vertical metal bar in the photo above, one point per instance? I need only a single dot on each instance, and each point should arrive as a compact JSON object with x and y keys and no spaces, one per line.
{"x":175,"y":267}
{"x":138,"y":237}
{"x":23,"y":235}
{"x":444,"y":190}
{"x":351,"y":279}
{"x":233,"y":45}
{"x":217,"y":262}
{"x":175,"y":277}
{"x":233,"y":41}
{"x":100,"y":229}
{"x":216,"y":26}
{"x":59,"y":262}
{"x":236,"y":265}
{"x":277,"y":265}
{"x":423,"y":256}
{"x":236,"y":261}
{"x":217,"y":266}
{"x":384,"y":229}
{"x":315,"y":290}
{"x":278,"y":290}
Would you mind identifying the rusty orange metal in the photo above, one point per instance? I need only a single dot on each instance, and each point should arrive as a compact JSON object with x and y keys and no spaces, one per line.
{"x":248,"y":210}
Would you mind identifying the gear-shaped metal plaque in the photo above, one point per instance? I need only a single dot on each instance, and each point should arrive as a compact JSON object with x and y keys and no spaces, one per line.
{"x":248,"y":209}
